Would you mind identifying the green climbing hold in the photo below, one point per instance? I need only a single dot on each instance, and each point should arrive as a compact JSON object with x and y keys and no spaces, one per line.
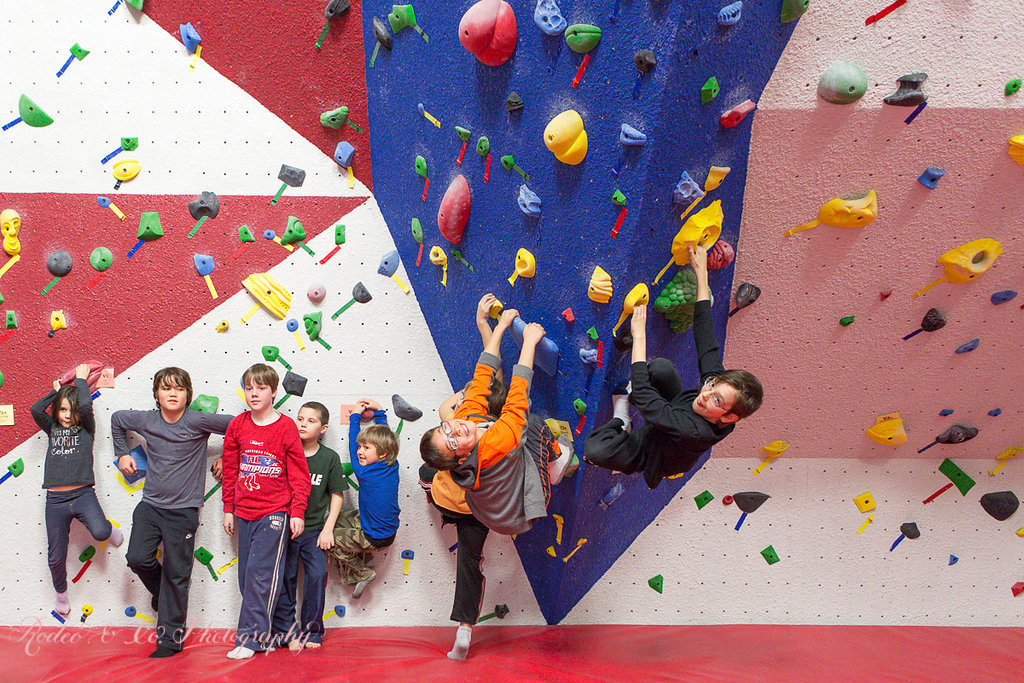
{"x":1013,"y":86}
{"x":137,"y":4}
{"x":579,"y":406}
{"x":79,"y":52}
{"x":1,"y":379}
{"x":339,"y":234}
{"x":464,"y":133}
{"x":129,"y":144}
{"x":793,"y":10}
{"x":703,"y":499}
{"x":205,"y":404}
{"x":657,"y":583}
{"x":678,"y":299}
{"x":245,"y":234}
{"x":149,"y":226}
{"x":12,"y":320}
{"x":618,"y":198}
{"x":87,"y":554}
{"x":421,"y":166}
{"x":709,"y":90}
{"x":960,"y":479}
{"x":846,"y":321}
{"x":335,"y":118}
{"x":294,"y":232}
{"x":769,"y":555}
{"x":32,"y":114}
{"x":483,"y":145}
{"x":582,"y":38}
{"x":417,"y":230}
{"x":592,"y":333}
{"x":101,"y":258}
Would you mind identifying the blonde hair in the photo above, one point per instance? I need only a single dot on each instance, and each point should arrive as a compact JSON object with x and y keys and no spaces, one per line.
{"x":260,"y":373}
{"x":383,"y":439}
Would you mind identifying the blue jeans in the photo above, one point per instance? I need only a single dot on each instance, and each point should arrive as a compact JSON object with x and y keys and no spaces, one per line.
{"x":61,"y":508}
{"x":310,"y":627}
{"x":262,"y":546}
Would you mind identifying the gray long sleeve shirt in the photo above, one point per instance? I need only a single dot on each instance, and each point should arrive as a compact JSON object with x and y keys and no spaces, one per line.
{"x":69,"y":449}
{"x":176,"y":453}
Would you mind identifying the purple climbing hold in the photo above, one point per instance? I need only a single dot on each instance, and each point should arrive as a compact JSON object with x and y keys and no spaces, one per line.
{"x":946,"y":411}
{"x":969,"y":346}
{"x":995,"y":412}
{"x":1003,"y":296}
{"x":687,"y":190}
{"x":930,"y":177}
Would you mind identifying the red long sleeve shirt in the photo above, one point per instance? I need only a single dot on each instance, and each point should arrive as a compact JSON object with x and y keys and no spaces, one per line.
{"x":265,"y":469}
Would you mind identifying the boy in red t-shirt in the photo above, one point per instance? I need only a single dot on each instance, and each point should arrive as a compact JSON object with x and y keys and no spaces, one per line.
{"x":266,"y":481}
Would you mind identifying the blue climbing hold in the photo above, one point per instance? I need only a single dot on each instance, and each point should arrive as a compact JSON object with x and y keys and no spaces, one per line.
{"x":953,"y":559}
{"x":930,"y":177}
{"x":946,"y":411}
{"x":292,"y":324}
{"x":995,"y":412}
{"x":588,"y":356}
{"x":611,"y":495}
{"x":269,"y":234}
{"x":630,"y":136}
{"x":529,"y":202}
{"x":730,"y":14}
{"x":969,"y":346}
{"x":1003,"y":296}
{"x":343,"y":153}
{"x":686,"y":190}
{"x":190,"y":36}
{"x":549,"y":18}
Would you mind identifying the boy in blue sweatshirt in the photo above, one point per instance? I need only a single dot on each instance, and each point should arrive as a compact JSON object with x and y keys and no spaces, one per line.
{"x":360,"y":533}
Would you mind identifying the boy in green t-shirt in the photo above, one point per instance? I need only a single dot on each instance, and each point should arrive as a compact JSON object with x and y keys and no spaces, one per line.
{"x":325,"y":498}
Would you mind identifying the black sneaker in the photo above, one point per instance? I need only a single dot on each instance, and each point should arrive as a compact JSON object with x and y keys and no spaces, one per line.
{"x":162,"y":651}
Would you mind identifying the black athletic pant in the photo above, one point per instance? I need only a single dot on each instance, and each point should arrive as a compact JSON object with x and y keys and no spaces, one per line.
{"x":612,"y":447}
{"x":469,"y":579}
{"x":169,"y":582}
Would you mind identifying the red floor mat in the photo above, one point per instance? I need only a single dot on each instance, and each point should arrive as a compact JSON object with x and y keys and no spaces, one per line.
{"x":542,"y":653}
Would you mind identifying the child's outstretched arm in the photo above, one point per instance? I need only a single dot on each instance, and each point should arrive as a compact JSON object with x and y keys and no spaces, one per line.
{"x":483,"y":310}
{"x":709,"y":354}
{"x":85,"y":414}
{"x":38,"y":409}
{"x":638,"y":328}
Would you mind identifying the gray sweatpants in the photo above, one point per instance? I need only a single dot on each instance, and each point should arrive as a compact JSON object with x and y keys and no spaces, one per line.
{"x":61,"y":508}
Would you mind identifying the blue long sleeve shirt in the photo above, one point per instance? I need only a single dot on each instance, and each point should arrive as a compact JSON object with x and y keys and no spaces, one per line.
{"x":378,"y":486}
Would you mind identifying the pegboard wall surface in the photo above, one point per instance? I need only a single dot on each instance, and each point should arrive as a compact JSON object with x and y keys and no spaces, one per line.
{"x":201,"y":131}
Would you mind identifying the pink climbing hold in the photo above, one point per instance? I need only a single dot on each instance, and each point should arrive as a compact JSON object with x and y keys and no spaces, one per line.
{"x":454,"y":212}
{"x":721,"y":255}
{"x":488,"y":30}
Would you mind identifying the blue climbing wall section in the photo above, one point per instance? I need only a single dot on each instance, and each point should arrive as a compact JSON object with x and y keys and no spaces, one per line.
{"x":572,"y":235}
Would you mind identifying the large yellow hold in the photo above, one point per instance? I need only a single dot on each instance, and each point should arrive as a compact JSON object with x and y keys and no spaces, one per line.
{"x":638,"y":296}
{"x":565,"y":137}
{"x":888,"y":430}
{"x":701,"y":229}
{"x":966,"y":262}
{"x":844,"y":213}
{"x":600,"y":289}
{"x":268,"y":292}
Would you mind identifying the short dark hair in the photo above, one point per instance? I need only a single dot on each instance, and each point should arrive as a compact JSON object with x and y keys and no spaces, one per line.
{"x":434,"y":456}
{"x":260,"y":373}
{"x":173,"y":377}
{"x":749,"y":392}
{"x":325,"y":415}
{"x":68,"y":393}
{"x":498,"y":392}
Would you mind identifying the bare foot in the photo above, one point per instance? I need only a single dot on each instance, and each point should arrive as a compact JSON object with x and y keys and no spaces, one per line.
{"x":295,"y":646}
{"x":312,"y":646}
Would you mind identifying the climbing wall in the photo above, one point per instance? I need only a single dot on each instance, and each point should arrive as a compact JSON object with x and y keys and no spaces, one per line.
{"x":252,"y":102}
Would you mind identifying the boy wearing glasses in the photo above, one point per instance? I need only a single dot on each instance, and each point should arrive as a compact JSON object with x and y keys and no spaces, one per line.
{"x":679,"y":425}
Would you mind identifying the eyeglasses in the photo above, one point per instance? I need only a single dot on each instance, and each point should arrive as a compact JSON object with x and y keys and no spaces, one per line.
{"x":453,"y":443}
{"x":708,"y":388}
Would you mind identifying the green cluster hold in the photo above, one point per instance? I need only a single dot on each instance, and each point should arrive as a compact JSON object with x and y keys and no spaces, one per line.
{"x":205,"y":404}
{"x":657,"y":583}
{"x":709,"y":90}
{"x":678,"y":299}
{"x":245,"y":234}
{"x":1013,"y":86}
{"x":846,"y":321}
{"x":960,"y":479}
{"x":769,"y":555}
{"x":703,"y":499}
{"x":149,"y":226}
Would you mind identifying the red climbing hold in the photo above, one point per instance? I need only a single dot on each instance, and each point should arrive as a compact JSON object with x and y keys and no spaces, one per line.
{"x":488,"y":30}
{"x":454,"y":212}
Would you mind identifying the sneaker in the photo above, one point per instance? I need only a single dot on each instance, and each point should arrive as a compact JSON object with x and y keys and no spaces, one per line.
{"x":361,"y":586}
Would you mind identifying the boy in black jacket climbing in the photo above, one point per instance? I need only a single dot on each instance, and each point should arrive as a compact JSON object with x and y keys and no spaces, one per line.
{"x":678,"y":425}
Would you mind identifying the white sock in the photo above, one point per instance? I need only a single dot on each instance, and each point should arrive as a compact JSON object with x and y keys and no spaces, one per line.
{"x":116,"y":537}
{"x":241,"y":653}
{"x":461,"y":647}
{"x":620,"y":409}
{"x":63,"y":605}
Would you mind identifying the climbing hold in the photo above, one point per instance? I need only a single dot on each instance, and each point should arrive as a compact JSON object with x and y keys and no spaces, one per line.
{"x":1003,"y":296}
{"x":453,"y":214}
{"x":566,"y":138}
{"x":190,"y":37}
{"x":849,"y":212}
{"x":954,"y":434}
{"x":1001,"y":504}
{"x":292,"y":325}
{"x":588,"y":356}
{"x":865,"y":502}
{"x":269,"y":293}
{"x":946,"y":411}
{"x":645,"y":61}
{"x":888,"y":430}
{"x":439,"y":258}
{"x":967,"y":347}
{"x":207,"y":205}
{"x":995,"y":412}
{"x":727,"y":500}
{"x":488,"y":31}
{"x":294,"y":232}
{"x":32,"y":114}
{"x":908,"y":92}
{"x":290,"y":176}
{"x":733,"y":116}
{"x":630,"y":136}
{"x":336,"y":118}
{"x":57,"y":322}
{"x":910,"y":530}
{"x":749,"y":501}
{"x":709,"y":90}
{"x":10,"y":225}
{"x":514,"y":102}
{"x":638,"y":296}
{"x":746,"y":294}
{"x":966,"y":262}
{"x":1013,"y":86}
{"x":343,"y":154}
{"x":1016,"y":150}
{"x":930,"y":177}
{"x":846,"y":321}
{"x":600,"y":288}
{"x":730,"y":14}
{"x":953,"y":559}
{"x":483,"y":145}
{"x":405,"y":410}
{"x":703,"y":499}
{"x":222,"y":326}
{"x":656,"y":582}
{"x":403,"y":16}
{"x":245,"y":235}
{"x":11,"y":322}
{"x":842,"y":83}
{"x":611,"y":495}
{"x":769,"y":555}
{"x":933,"y":320}
{"x":316,"y":292}
{"x":582,"y":38}
{"x":529,"y":202}
{"x":548,"y":17}
{"x":58,"y":263}
{"x":126,"y":170}
{"x":720,"y":255}
{"x":793,"y":10}
{"x":526,"y":266}
{"x":618,"y":198}
{"x":687,"y":190}
{"x":293,"y":383}
{"x":101,"y":258}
